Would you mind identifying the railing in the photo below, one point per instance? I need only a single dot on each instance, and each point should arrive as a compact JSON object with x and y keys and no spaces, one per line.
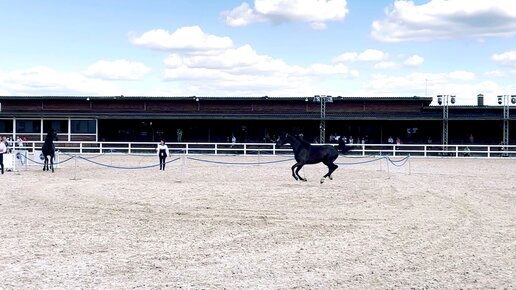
{"x":423,"y":150}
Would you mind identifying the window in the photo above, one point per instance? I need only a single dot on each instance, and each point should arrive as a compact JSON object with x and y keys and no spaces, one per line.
{"x":28,"y":126}
{"x":84,"y":126}
{"x":6,"y":126}
{"x":60,"y":125}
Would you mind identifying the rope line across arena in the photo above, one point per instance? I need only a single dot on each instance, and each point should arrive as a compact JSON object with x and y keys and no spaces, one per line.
{"x":238,"y":163}
{"x":125,"y":167}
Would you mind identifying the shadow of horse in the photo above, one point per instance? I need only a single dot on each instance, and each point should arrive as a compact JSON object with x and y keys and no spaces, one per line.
{"x":306,"y":153}
{"x":48,"y":150}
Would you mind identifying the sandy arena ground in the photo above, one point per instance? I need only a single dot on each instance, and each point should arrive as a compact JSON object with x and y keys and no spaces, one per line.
{"x":433,"y":224}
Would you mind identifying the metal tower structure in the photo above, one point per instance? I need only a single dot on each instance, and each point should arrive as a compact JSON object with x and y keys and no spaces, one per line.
{"x":444,"y":101}
{"x":505,"y":101}
{"x":322,"y":99}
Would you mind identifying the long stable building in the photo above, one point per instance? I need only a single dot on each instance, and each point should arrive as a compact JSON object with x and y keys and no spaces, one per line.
{"x":249,"y":119}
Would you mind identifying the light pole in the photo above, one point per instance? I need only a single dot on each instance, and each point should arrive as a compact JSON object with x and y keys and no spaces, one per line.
{"x":504,"y":101}
{"x":322,"y":99}
{"x":444,"y":101}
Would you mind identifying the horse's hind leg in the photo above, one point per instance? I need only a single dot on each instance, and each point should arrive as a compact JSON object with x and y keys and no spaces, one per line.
{"x":52,"y":163}
{"x":45,"y":164}
{"x":331,"y":167}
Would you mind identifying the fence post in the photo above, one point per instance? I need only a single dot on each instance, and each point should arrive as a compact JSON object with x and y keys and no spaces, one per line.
{"x":409,"y":167}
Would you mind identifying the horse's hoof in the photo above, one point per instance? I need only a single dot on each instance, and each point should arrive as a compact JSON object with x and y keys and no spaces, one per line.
{"x":331,"y":178}
{"x":322,"y":180}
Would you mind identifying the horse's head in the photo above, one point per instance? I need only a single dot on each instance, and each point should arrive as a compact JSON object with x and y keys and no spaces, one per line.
{"x":52,"y":135}
{"x":282,"y":139}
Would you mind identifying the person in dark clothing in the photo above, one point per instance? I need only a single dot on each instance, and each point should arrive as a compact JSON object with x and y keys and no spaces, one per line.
{"x":163,"y":153}
{"x":3,"y":149}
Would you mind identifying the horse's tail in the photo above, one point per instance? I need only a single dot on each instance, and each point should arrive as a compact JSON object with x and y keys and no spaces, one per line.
{"x":342,"y":146}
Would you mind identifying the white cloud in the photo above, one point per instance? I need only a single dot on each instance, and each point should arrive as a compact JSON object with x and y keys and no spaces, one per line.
{"x":495,"y":74}
{"x":173,"y":60}
{"x":372,"y":55}
{"x":318,"y":25}
{"x":339,"y":69}
{"x":346,"y":57}
{"x":462,"y":75}
{"x":244,"y":70}
{"x":242,"y":15}
{"x":366,"y":55}
{"x":47,"y":81}
{"x":458,"y":83}
{"x":414,"y":60}
{"x":184,"y":38}
{"x":386,"y":65}
{"x":243,"y":56}
{"x":117,"y":70}
{"x":315,"y":12}
{"x":444,"y":19}
{"x":506,"y":58}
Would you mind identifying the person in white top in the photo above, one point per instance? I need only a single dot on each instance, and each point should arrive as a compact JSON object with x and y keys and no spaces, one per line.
{"x":19,"y":142}
{"x":3,"y":149}
{"x":163,"y":153}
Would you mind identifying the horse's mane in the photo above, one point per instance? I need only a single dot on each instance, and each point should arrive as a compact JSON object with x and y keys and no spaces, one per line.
{"x":303,"y":141}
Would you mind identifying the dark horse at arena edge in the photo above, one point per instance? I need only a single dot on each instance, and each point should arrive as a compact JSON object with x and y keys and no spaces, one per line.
{"x":306,"y":153}
{"x":48,"y":149}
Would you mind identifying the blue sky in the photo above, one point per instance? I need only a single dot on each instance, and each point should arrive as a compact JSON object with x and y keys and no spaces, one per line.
{"x":261,"y":47}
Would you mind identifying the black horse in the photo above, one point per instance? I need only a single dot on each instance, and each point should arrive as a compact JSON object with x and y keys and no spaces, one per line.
{"x":48,"y":149}
{"x":305,"y":153}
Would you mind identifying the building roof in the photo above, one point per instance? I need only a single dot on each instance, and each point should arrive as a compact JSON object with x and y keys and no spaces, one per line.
{"x":229,"y":98}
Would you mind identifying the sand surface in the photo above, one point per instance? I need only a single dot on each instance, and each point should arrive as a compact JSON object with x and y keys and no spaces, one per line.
{"x":429,"y":224}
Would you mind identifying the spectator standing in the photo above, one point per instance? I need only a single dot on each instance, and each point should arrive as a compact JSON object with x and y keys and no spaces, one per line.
{"x":233,"y":140}
{"x":19,"y":142}
{"x":179,"y":134}
{"x":163,"y":153}
{"x":3,"y":150}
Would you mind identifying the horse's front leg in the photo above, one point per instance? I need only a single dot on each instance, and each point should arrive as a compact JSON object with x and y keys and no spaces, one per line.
{"x":293,"y":172}
{"x":45,"y":164}
{"x":297,"y":171}
{"x":52,"y":163}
